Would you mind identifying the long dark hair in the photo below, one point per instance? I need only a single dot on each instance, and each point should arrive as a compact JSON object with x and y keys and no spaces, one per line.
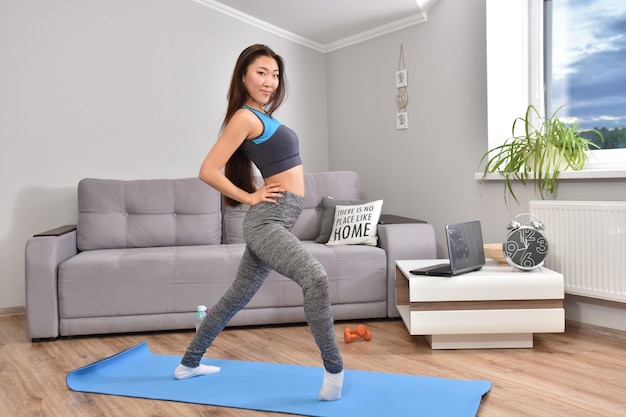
{"x":239,"y":167}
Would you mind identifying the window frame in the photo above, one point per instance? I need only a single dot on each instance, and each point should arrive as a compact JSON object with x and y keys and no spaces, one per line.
{"x":515,"y":79}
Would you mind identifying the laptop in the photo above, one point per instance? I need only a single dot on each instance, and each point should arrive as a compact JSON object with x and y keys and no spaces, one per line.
{"x":465,"y":251}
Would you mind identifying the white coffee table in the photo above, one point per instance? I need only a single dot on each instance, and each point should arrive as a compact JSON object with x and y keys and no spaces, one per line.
{"x":496,"y":307}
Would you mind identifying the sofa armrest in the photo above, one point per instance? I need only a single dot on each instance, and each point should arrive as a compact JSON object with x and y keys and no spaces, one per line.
{"x":58,"y":231}
{"x":404,"y":241}
{"x":44,"y":252}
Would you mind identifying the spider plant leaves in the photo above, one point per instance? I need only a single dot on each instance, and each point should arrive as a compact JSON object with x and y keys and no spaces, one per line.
{"x":546,"y":147}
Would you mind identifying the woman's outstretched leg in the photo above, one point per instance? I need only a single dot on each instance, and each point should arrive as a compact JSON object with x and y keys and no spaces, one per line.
{"x":251,"y":274}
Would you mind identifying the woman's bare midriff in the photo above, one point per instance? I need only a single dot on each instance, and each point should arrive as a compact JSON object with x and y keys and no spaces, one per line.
{"x":291,"y":180}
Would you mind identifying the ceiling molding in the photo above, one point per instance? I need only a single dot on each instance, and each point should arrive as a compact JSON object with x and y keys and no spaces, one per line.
{"x":324,"y":48}
{"x":376,"y":32}
{"x":261,"y":24}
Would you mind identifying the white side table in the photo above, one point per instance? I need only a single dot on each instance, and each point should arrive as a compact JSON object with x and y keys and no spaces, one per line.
{"x":496,"y":307}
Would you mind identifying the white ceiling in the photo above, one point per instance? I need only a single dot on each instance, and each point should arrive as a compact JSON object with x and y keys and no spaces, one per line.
{"x":327,"y":24}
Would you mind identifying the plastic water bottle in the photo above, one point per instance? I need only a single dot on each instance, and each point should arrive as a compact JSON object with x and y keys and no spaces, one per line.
{"x":200,"y":315}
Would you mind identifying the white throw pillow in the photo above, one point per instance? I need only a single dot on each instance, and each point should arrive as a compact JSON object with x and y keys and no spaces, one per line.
{"x":356,"y":224}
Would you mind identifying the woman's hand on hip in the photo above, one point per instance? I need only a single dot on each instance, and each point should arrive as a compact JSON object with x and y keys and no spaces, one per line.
{"x":268,"y":193}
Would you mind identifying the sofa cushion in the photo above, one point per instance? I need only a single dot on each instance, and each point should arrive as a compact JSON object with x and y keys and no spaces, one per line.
{"x":356,"y":274}
{"x":123,"y":282}
{"x":143,"y":281}
{"x":342,"y":185}
{"x":147,"y":213}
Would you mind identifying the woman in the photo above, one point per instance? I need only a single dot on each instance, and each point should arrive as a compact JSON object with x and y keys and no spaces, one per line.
{"x":249,"y":133}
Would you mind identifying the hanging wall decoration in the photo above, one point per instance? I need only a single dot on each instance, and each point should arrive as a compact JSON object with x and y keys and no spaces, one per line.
{"x":402,"y":98}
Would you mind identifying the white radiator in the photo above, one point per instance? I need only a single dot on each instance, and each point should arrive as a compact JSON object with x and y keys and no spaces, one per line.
{"x":587,"y":244}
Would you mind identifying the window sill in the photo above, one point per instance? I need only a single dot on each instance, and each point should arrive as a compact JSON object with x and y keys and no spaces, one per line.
{"x":584,"y":174}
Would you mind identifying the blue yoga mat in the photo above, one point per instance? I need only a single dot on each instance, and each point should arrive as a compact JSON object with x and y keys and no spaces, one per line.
{"x":137,"y":372}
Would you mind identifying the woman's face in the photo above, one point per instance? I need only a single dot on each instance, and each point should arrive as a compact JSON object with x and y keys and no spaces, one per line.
{"x":261,"y":80}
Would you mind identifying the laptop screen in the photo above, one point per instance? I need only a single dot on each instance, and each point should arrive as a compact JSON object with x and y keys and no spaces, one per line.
{"x":465,"y":246}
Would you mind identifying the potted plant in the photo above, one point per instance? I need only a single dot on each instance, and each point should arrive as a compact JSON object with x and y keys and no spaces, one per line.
{"x":546,"y":147}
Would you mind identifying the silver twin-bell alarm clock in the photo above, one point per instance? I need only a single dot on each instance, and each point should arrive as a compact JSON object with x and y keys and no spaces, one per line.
{"x":525,"y":246}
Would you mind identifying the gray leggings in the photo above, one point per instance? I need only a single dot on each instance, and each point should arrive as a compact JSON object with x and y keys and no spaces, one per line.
{"x":271,"y":245}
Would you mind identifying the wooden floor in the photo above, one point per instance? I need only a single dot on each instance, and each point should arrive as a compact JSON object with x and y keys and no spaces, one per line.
{"x":570,"y":374}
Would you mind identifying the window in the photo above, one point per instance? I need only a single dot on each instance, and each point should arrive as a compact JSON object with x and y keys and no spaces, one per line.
{"x":578,"y":71}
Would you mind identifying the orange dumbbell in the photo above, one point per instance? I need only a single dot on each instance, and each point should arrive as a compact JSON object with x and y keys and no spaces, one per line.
{"x":360,"y":332}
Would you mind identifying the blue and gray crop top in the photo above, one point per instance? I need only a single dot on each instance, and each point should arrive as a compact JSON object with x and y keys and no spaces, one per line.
{"x":276,"y":150}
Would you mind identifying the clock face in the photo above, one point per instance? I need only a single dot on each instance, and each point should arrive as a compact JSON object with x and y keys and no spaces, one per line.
{"x":526,"y":248}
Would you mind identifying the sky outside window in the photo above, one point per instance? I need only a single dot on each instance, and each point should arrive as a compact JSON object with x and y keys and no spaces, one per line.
{"x":588,"y":65}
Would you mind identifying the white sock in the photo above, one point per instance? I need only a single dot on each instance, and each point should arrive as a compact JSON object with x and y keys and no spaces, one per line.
{"x":184,"y":372}
{"x":331,"y":386}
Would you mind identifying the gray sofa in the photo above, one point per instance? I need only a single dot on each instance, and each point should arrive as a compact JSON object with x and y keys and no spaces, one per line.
{"x":145,"y":253}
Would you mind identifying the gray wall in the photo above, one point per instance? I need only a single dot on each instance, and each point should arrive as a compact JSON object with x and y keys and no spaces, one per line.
{"x":428,"y":171}
{"x":122,"y":89}
{"x":136,"y":89}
